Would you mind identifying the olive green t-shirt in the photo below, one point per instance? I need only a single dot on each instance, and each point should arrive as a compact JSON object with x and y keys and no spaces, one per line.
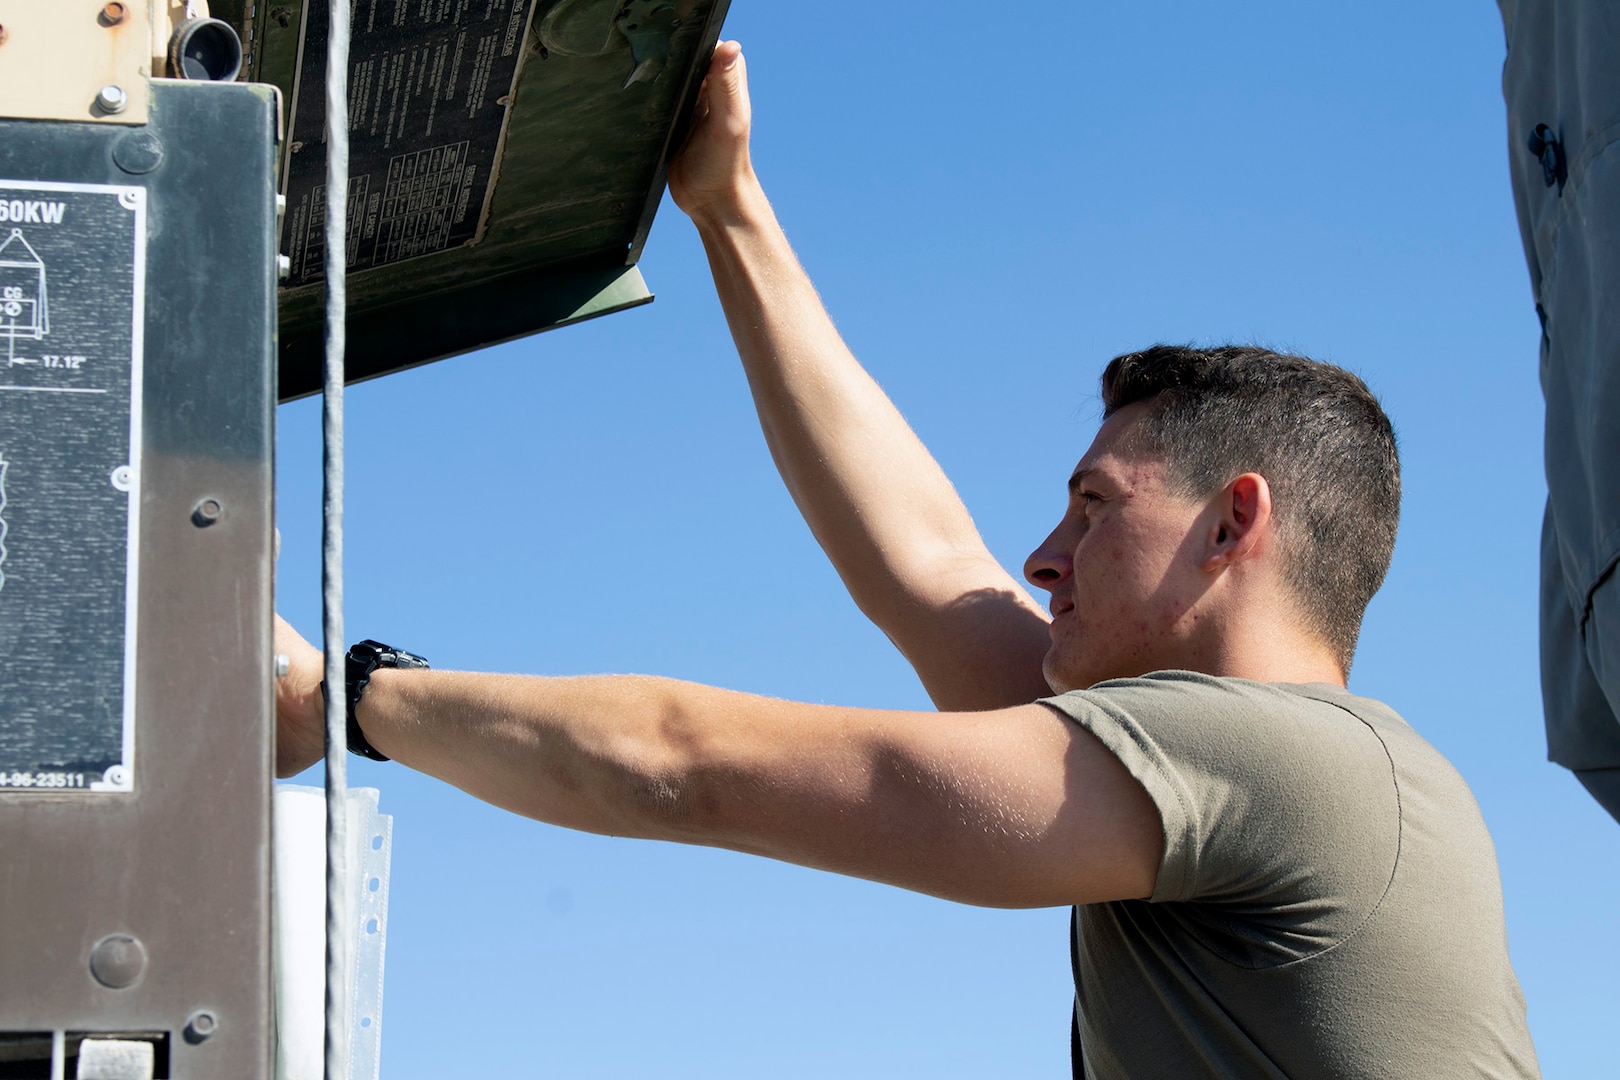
{"x":1328,"y":904}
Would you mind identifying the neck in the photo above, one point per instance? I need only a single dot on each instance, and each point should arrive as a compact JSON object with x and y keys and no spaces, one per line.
{"x":1283,"y":668}
{"x":1265,"y":651}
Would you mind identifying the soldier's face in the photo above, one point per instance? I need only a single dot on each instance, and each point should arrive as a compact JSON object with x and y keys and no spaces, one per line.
{"x":1121,"y":566}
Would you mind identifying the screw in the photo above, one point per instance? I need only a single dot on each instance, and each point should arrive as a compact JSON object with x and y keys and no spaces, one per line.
{"x":206,"y":512}
{"x":113,"y":14}
{"x":112,"y":99}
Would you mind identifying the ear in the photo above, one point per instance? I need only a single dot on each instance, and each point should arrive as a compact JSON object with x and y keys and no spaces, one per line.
{"x":1242,"y":522}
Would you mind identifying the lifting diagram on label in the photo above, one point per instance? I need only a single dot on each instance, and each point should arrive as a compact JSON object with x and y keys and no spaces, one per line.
{"x":23,"y":309}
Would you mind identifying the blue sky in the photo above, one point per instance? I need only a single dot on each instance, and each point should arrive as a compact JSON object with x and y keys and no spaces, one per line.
{"x":991,"y":206}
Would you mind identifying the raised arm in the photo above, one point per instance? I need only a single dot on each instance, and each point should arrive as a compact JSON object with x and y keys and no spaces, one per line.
{"x":877,"y":502}
{"x":1007,"y":808}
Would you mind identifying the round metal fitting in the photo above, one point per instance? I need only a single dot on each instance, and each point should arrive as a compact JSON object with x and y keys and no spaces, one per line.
{"x":205,"y":50}
{"x":111,"y":99}
{"x":207,"y":512}
{"x":118,"y":961}
{"x":113,"y":14}
{"x":200,"y":1027}
{"x":138,"y":152}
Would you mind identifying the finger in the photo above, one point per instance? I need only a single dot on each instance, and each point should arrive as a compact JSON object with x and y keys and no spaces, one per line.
{"x":725,"y":55}
{"x":728,"y":81}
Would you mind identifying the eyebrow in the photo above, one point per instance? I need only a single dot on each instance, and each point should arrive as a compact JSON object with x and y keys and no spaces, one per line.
{"x":1078,"y":479}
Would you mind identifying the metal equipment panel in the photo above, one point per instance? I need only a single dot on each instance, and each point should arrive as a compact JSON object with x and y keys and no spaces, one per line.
{"x":144,"y":915}
{"x":59,"y":56}
{"x":509,"y":156}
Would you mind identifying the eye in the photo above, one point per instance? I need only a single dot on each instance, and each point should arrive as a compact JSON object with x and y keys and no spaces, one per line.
{"x":1088,"y":498}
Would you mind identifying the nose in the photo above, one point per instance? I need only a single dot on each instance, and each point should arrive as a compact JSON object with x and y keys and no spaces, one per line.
{"x":1050,"y":565}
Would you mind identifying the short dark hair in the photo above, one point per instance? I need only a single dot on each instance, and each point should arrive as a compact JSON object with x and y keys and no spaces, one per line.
{"x":1314,"y":431}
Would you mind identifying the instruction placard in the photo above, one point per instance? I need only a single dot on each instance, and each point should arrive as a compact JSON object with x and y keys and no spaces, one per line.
{"x":72,"y":269}
{"x":429,"y":85}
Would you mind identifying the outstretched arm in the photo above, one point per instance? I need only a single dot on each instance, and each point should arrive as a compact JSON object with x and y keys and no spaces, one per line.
{"x":1015,"y":807}
{"x":877,"y":502}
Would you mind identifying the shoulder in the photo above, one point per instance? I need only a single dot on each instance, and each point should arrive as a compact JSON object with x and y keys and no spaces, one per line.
{"x":1233,"y":721}
{"x":1259,"y":786}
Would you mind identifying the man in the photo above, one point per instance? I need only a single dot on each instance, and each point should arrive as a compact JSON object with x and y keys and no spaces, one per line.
{"x":1271,"y":877}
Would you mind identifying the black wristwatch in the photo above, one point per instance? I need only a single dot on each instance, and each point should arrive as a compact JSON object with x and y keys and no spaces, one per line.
{"x":360,"y":662}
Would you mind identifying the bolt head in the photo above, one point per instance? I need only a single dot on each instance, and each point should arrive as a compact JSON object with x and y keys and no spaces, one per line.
{"x":114,"y":13}
{"x":112,"y":99}
{"x":207,"y":512}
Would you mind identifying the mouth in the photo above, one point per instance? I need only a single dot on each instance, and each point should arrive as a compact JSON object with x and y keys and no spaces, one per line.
{"x":1061,"y":608}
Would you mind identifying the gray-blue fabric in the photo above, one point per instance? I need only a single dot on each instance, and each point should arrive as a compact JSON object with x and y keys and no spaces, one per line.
{"x":1562,"y":76}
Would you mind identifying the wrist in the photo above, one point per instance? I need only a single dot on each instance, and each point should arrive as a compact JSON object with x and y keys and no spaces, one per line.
{"x":363,"y":661}
{"x":741,"y":204}
{"x":363,"y":715}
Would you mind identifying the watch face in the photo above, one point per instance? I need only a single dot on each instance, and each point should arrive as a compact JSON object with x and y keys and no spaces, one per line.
{"x":369,"y":655}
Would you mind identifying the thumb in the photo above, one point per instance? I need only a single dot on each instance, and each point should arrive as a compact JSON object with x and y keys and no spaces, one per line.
{"x":728,"y":82}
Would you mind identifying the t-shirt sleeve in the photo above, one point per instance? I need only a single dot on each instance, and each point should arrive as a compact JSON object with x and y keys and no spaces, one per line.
{"x":1271,"y":801}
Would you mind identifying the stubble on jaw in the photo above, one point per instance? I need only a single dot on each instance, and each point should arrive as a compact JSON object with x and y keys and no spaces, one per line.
{"x":1129,"y":611}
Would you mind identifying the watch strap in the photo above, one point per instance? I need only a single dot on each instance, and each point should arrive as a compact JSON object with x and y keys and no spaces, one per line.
{"x":360,"y":663}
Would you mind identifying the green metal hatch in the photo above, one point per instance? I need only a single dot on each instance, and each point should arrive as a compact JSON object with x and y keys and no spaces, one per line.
{"x":507,"y":158}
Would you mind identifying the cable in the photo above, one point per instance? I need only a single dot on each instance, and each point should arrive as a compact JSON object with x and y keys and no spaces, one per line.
{"x":337,"y":778}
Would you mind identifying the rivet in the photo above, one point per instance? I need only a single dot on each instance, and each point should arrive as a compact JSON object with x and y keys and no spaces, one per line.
{"x":117,"y":961}
{"x":113,"y":14}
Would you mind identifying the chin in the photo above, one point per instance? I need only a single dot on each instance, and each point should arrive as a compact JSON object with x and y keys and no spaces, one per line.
{"x":1057,"y":680}
{"x":1064,"y":677}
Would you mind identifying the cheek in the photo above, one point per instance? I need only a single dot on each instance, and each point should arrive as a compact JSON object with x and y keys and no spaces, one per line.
{"x":1115,"y":572}
{"x":1123,"y":591}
